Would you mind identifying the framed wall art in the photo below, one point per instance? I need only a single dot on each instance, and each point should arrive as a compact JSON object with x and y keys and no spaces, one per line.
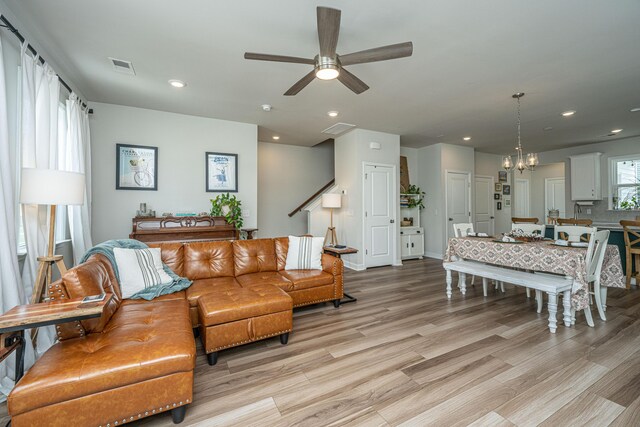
{"x":496,"y":196}
{"x":136,"y":167}
{"x":502,"y":176}
{"x":498,"y":187}
{"x":222,"y":172}
{"x":507,"y":203}
{"x":499,"y":206}
{"x":506,"y":189}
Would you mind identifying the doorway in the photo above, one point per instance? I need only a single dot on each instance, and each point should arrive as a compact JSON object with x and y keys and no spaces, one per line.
{"x":522,"y":195}
{"x":458,"y":209}
{"x":554,"y":196}
{"x":379,"y":191}
{"x":483,"y":212}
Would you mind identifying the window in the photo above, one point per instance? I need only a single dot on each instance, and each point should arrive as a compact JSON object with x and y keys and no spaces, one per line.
{"x":625,"y":182}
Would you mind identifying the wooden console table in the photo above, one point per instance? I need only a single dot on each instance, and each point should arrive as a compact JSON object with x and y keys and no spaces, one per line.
{"x":182,"y":229}
{"x":21,"y":317}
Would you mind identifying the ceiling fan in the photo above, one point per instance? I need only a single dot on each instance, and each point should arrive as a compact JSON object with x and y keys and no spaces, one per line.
{"x":328,"y":64}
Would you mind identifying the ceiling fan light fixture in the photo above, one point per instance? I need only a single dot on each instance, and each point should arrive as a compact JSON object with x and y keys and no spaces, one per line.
{"x":327,"y":68}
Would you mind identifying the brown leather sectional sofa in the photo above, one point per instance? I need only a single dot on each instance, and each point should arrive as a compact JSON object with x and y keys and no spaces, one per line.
{"x":137,"y":359}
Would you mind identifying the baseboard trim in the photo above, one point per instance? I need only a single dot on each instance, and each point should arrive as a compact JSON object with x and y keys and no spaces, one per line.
{"x":435,"y":255}
{"x":353,"y":265}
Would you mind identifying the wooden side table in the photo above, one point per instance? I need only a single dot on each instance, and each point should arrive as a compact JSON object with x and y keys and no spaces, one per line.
{"x":338,"y":252}
{"x":21,"y":317}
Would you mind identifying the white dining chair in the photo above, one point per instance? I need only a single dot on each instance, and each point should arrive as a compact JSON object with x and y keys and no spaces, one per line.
{"x":529,"y":228}
{"x":462,"y":230}
{"x":595,"y":258}
{"x":572,"y":233}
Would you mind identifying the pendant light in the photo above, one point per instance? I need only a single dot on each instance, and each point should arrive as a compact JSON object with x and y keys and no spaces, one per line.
{"x":521,"y":164}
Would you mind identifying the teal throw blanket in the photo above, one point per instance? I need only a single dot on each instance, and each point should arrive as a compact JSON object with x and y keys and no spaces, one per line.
{"x":106,"y":248}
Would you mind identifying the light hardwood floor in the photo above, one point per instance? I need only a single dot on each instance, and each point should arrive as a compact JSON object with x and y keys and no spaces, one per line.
{"x":405,"y":355}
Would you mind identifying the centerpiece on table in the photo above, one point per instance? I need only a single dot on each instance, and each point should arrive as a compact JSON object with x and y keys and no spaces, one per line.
{"x":523,"y":236}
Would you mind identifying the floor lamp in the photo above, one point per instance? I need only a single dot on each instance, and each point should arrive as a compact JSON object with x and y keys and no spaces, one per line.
{"x":331,"y":201}
{"x":50,"y":187}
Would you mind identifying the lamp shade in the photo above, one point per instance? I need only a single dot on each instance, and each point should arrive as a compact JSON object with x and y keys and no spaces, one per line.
{"x":51,"y":187}
{"x":331,"y":200}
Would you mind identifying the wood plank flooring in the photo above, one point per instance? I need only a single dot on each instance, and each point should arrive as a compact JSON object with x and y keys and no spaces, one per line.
{"x":405,"y":355}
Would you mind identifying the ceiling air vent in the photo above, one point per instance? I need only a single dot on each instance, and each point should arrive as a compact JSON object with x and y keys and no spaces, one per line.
{"x":338,"y":128}
{"x":122,"y":66}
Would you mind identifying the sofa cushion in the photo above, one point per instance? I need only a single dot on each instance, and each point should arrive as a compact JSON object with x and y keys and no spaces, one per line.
{"x":141,"y":342}
{"x":91,"y":278}
{"x":204,"y":260}
{"x":172,"y":254}
{"x":304,"y":279}
{"x":282,"y":247}
{"x":265,"y":278}
{"x":305,"y":253}
{"x":139,"y":270}
{"x":180,"y":295}
{"x":206,"y":286}
{"x":254,"y":256}
{"x":242,"y":303}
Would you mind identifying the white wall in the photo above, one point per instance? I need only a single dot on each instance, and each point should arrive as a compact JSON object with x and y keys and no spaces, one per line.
{"x":489,"y":165}
{"x":182,"y":142}
{"x":430,"y":181}
{"x":287,"y":176}
{"x":412,"y":163}
{"x":538,"y":177}
{"x":351,"y":151}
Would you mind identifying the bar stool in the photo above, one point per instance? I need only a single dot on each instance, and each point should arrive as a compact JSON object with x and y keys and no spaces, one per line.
{"x":632,"y":246}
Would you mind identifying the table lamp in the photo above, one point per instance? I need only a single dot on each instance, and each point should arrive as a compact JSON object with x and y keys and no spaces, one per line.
{"x":331,"y":201}
{"x":50,"y":187}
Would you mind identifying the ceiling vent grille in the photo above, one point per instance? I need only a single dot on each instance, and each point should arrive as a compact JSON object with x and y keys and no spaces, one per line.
{"x":338,"y":128}
{"x":122,"y":66}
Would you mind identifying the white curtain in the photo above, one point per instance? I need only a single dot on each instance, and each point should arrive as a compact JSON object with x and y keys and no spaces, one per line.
{"x":40,"y":91}
{"x":77,"y":158}
{"x":11,"y":290}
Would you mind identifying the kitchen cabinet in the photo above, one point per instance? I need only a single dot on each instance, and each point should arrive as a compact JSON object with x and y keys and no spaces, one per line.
{"x":585,"y":177}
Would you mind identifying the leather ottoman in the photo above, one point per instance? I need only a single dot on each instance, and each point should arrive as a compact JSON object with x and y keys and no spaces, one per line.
{"x":231,"y":317}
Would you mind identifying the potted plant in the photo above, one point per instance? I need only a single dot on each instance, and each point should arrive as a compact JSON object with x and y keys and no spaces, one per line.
{"x":229,"y":207}
{"x":415,"y":201}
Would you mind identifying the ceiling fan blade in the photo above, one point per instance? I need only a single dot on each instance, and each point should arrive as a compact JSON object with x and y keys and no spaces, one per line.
{"x":301,"y":84}
{"x":382,"y":53}
{"x":328,"y":30}
{"x":352,"y":82}
{"x":278,"y":58}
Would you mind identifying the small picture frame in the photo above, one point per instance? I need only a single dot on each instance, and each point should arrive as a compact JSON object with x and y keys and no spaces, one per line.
{"x":136,"y":167}
{"x":497,"y":196}
{"x":221,"y":172}
{"x":499,"y":206}
{"x":497,"y":187}
{"x":506,"y":189}
{"x":507,"y":203}
{"x":502,"y":176}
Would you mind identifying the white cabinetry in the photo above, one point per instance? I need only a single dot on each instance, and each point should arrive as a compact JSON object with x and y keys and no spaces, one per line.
{"x":411,"y":236}
{"x":585,"y":177}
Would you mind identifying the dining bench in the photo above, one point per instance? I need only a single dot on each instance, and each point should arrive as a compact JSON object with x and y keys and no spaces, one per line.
{"x":551,"y":284}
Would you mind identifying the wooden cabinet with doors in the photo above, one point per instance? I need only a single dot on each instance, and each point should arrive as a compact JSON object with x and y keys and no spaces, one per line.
{"x":585,"y":177}
{"x":411,"y":234}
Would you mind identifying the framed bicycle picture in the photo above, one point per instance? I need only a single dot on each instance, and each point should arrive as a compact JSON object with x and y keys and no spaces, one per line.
{"x":222,"y":172}
{"x":136,"y":167}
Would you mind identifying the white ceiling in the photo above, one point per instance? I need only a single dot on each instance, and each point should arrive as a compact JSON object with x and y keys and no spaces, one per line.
{"x":469,"y":58}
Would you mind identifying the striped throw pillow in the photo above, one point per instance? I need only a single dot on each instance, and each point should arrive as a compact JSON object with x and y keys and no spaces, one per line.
{"x":139,"y":269}
{"x":305,"y":253}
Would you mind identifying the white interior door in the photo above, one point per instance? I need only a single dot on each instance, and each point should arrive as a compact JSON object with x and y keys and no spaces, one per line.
{"x":484,"y":219}
{"x":521,"y":196}
{"x":458,"y":200}
{"x":554,"y":196}
{"x":379,"y":215}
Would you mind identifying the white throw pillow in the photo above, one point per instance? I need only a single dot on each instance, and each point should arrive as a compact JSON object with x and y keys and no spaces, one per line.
{"x":139,"y":269}
{"x":305,"y":253}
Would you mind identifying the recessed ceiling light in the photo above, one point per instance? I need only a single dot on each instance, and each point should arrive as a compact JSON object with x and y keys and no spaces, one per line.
{"x":275,"y":137}
{"x":177,"y":83}
{"x":440,"y":136}
{"x":332,"y":114}
{"x":616,"y":131}
{"x":568,"y":113}
{"x":635,"y":110}
{"x":547,"y":128}
{"x":467,"y":138}
{"x":266,"y":107}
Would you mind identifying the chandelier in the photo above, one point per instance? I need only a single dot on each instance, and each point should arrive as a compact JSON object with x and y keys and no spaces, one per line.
{"x":520,"y":164}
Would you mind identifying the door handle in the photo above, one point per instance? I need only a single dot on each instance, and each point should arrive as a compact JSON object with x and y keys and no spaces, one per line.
{"x":392,"y":221}
{"x":450,"y":219}
{"x":493,"y":217}
{"x":411,"y":244}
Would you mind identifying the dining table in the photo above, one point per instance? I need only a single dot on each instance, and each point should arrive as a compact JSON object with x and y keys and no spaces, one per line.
{"x":541,"y":256}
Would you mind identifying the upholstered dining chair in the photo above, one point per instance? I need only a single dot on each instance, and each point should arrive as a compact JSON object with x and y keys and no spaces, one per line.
{"x":573,"y":233}
{"x":517,"y":220}
{"x":529,"y":228}
{"x":631,"y":231}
